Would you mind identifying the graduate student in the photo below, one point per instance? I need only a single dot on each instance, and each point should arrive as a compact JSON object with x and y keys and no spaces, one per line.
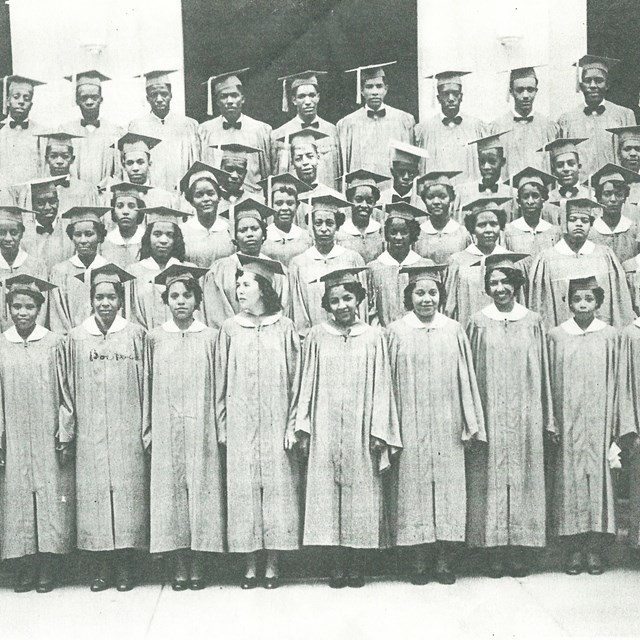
{"x":187,"y":490}
{"x":257,"y":374}
{"x":440,"y":414}
{"x":302,"y":91}
{"x":506,"y":482}
{"x":564,"y":159}
{"x":37,"y":489}
{"x":365,"y":134}
{"x":583,"y":356}
{"x":180,"y":145}
{"x":233,"y":126}
{"x":445,"y":135}
{"x":102,"y":375}
{"x":347,"y":421}
{"x":405,"y":167}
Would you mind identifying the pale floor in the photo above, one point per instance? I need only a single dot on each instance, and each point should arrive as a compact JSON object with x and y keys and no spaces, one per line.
{"x":542,"y":605}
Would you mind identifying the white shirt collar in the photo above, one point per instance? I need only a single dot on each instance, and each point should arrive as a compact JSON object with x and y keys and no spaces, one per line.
{"x":521,"y":225}
{"x":356,"y":329}
{"x":624,"y":224}
{"x":336,"y":251}
{"x":91,"y":326}
{"x":18,"y":262}
{"x":98,"y":261}
{"x":572,"y":328}
{"x":473,"y":250}
{"x":414,"y":322}
{"x":564,"y":249}
{"x":518,"y":115}
{"x":387,"y":260}
{"x":152,"y":265}
{"x":247,"y":320}
{"x":274,"y":234}
{"x":115,"y":237}
{"x":39,"y":332}
{"x":219,"y":224}
{"x":352,"y":230}
{"x":451,"y":227}
{"x":238,"y":120}
{"x":171,"y":327}
{"x":517,"y":313}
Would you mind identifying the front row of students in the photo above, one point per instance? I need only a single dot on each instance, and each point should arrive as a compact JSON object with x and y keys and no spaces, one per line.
{"x":421,"y":436}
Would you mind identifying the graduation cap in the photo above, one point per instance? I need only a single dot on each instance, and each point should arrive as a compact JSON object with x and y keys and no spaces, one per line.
{"x":530,"y":175}
{"x":489,"y":142}
{"x":201,"y":170}
{"x":222,"y":82}
{"x":156,"y":76}
{"x":362,"y":178}
{"x":436,"y":177}
{"x":613,"y":173}
{"x":109,"y":272}
{"x":424,"y":272}
{"x":179,"y":273}
{"x":85,"y":214}
{"x":303,"y":136}
{"x":10,"y":213}
{"x":92,"y":77}
{"x":288,"y":180}
{"x":521,"y":73}
{"x":403,"y":153}
{"x":129,"y":189}
{"x":502,"y":261}
{"x":7,"y":81}
{"x":584,"y":206}
{"x":444,"y":78}
{"x":264,"y":267}
{"x":585,"y":282}
{"x":560,"y":146}
{"x":295,"y":80}
{"x":63,"y":137}
{"x":626,"y":133}
{"x":131,"y":141}
{"x":250,"y":208}
{"x":403,"y":210}
{"x":368,"y":72}
{"x":236,"y":151}
{"x":164,"y":214}
{"x":43,"y":184}
{"x":29,"y":285}
{"x":328,"y":201}
{"x":339,"y":276}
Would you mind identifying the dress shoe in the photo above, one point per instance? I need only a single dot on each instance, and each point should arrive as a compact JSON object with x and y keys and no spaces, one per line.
{"x":197,"y":584}
{"x":337,"y":582}
{"x":419,"y":578}
{"x":271,"y":583}
{"x":101,"y":583}
{"x":518,"y":569}
{"x":249,"y":582}
{"x":496,"y":568}
{"x":445,"y":576}
{"x":25,"y":583}
{"x":180,"y":584}
{"x":45,"y":586}
{"x":355,"y":582}
{"x":574,"y":564}
{"x":594,"y":563}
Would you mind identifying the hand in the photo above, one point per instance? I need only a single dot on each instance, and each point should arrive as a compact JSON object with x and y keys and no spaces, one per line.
{"x":2,"y":458}
{"x":552,"y":438}
{"x":222,"y":441}
{"x":64,"y":453}
{"x":376,"y":445}
{"x":302,"y":443}
{"x":290,"y":439}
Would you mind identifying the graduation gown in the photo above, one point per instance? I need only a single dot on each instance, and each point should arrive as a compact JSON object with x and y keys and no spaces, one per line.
{"x":219,"y":289}
{"x":257,"y":377}
{"x":583,"y":368}
{"x":179,"y":149}
{"x":103,"y":411}
{"x":95,"y":158}
{"x":368,"y":243}
{"x":523,"y":139}
{"x":364,"y":141}
{"x":70,"y":303}
{"x":631,"y":269}
{"x":470,"y":191}
{"x":187,"y":490}
{"x":622,"y":240}
{"x":386,"y":285}
{"x":440,"y":245}
{"x":448,"y":145}
{"x":253,"y":133}
{"x":549,"y":283}
{"x":72,"y":193}
{"x":205,"y":246}
{"x":439,"y":409}
{"x":51,"y":248}
{"x":519,"y":237}
{"x":154,"y":197}
{"x":306,"y":298}
{"x":600,"y":146}
{"x":346,"y":398}
{"x":283,"y":246}
{"x":390,"y":195}
{"x":121,"y":251}
{"x":330,"y":163}
{"x":21,"y":153}
{"x":550,"y":212}
{"x":36,"y":494}
{"x":505,"y":481}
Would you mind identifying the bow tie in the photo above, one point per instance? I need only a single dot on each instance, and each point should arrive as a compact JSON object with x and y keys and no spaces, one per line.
{"x":492,"y":187}
{"x":315,"y":125}
{"x":90,"y":123}
{"x":447,"y":122}
{"x":23,"y":125}
{"x":380,"y":113}
{"x":231,"y":125}
{"x":599,"y":110}
{"x":397,"y":198}
{"x":523,"y":118}
{"x":569,"y":192}
{"x":65,"y":183}
{"x":42,"y":230}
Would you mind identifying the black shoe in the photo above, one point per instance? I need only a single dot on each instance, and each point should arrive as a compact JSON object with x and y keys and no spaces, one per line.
{"x":337,"y":582}
{"x":180,"y":584}
{"x":496,"y":569}
{"x":45,"y":586}
{"x":101,"y":583}
{"x":271,"y":583}
{"x":419,"y":578}
{"x":446,"y":576}
{"x":574,"y":564}
{"x":249,"y":583}
{"x":25,"y":583}
{"x":355,"y":582}
{"x":125,"y":585}
{"x":595,"y":566}
{"x":518,"y":569}
{"x":197,"y":584}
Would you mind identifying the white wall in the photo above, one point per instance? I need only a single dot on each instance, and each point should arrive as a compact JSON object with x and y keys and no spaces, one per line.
{"x":47,"y":38}
{"x":467,"y":33}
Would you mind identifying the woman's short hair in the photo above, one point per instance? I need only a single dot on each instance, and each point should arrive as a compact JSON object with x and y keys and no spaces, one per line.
{"x":261,"y":222}
{"x":450,"y":190}
{"x":514,"y":277}
{"x":270,"y":298}
{"x":410,"y":288}
{"x":178,"y":252}
{"x":354,"y":288}
{"x":470,"y":219}
{"x":414,"y":229}
{"x":118,"y":287}
{"x":338,"y":215}
{"x":139,"y":203}
{"x":288,"y":189}
{"x":191,"y":285}
{"x":36,"y":296}
{"x":598,"y":294}
{"x":98,"y":226}
{"x":188,"y":194}
{"x":542,"y":189}
{"x":623,"y":186}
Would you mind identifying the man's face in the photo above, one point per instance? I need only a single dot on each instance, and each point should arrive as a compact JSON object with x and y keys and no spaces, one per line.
{"x":136,"y":164}
{"x":45,"y":204}
{"x":304,"y":158}
{"x":491,"y":162}
{"x":230,"y":103}
{"x":20,"y":100}
{"x":305,"y":101}
{"x":629,"y":152}
{"x":524,"y":92}
{"x":450,"y":99}
{"x":159,"y":99}
{"x":566,"y":169}
{"x":594,"y":86}
{"x":89,"y":99}
{"x":59,"y":158}
{"x":237,"y":171}
{"x":403,"y":175}
{"x":374,"y":92}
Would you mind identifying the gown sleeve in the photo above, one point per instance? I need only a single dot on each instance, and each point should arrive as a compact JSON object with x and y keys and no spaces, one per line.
{"x":307,"y":386}
{"x":627,"y":416}
{"x":66,"y":381}
{"x":470,"y":401}
{"x":221,"y":364}
{"x":147,"y":393}
{"x":293,"y":353}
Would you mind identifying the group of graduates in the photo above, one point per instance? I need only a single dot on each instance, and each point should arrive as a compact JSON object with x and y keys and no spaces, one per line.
{"x":223,"y":338}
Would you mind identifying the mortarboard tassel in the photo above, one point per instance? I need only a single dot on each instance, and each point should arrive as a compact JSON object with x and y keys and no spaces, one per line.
{"x":209,"y":97}
{"x":578,"y":76}
{"x":285,"y":102}
{"x":358,"y":85}
{"x":344,"y":183}
{"x":5,"y":88}
{"x":269,"y":190}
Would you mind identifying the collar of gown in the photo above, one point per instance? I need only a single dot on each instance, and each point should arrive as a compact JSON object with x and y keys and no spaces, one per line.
{"x":115,"y":237}
{"x":171,"y":327}
{"x":300,"y":122}
{"x":240,"y":118}
{"x":152,"y":265}
{"x":571,"y":327}
{"x":91,"y":326}
{"x":98,"y":261}
{"x":517,"y":313}
{"x":274,"y":234}
{"x":169,"y":116}
{"x":414,"y":322}
{"x":219,"y":225}
{"x":356,"y":329}
{"x":39,"y":332}
{"x":387,"y":260}
{"x":352,"y":230}
{"x":247,"y":320}
{"x":451,"y":227}
{"x":624,"y":224}
{"x":564,"y":249}
{"x":21,"y":258}
{"x":521,"y":225}
{"x":474,"y":251}
{"x":336,"y":251}
{"x":515,"y":114}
